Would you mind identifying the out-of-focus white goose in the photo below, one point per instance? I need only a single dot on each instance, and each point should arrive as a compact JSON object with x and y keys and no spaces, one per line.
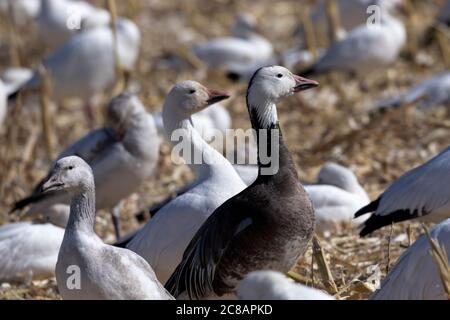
{"x":336,"y":196}
{"x":421,"y":193}
{"x":84,"y":66}
{"x":271,"y":285}
{"x":164,"y":238}
{"x":104,"y":271}
{"x":122,"y":155}
{"x":206,"y":122}
{"x":415,"y":275}
{"x":365,"y":48}
{"x":59,"y":20}
{"x":246,"y":46}
{"x":430,"y":93}
{"x":30,"y":249}
{"x":15,"y":77}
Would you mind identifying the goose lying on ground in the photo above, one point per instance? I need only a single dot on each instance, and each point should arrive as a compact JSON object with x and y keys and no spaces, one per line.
{"x":59,"y":20}
{"x":365,"y":48}
{"x":336,"y":196}
{"x":246,"y":46}
{"x":421,"y":193}
{"x":164,"y":238}
{"x":415,"y":275}
{"x":430,"y":93}
{"x":270,"y":285}
{"x":103,"y":271}
{"x":266,"y":226}
{"x":30,"y":249}
{"x":122,"y":156}
{"x":84,"y":66}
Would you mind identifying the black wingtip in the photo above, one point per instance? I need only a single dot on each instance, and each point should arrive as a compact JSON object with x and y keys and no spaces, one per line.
{"x":233,"y":76}
{"x":376,"y":222}
{"x":371,"y":207}
{"x":12,"y":97}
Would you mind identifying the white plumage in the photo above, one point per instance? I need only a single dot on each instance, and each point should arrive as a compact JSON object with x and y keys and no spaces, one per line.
{"x":415,"y":275}
{"x":336,"y":197}
{"x":430,"y":93}
{"x":271,"y":285}
{"x":365,"y":48}
{"x":29,"y":250}
{"x":164,"y":238}
{"x":84,"y":66}
{"x":420,"y":193}
{"x":59,"y":20}
{"x":244,"y":47}
{"x":15,"y":77}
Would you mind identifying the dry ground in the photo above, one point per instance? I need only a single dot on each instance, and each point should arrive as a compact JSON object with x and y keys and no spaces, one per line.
{"x":327,"y":124}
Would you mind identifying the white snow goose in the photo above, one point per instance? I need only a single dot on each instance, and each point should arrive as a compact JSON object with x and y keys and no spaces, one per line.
{"x":365,"y":48}
{"x":421,"y":194}
{"x":246,"y":46}
{"x":271,"y":285}
{"x":415,"y":275}
{"x":59,"y":20}
{"x":122,"y":155}
{"x":266,"y":226}
{"x":336,"y":196}
{"x":84,"y":66}
{"x":105,"y":272}
{"x":164,"y":238}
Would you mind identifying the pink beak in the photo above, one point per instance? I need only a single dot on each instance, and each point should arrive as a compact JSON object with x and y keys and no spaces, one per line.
{"x":216,"y":96}
{"x":302,"y":84}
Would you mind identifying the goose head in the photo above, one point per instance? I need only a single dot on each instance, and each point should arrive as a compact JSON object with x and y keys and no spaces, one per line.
{"x":274,"y":83}
{"x":120,"y":112}
{"x":189,"y":97}
{"x":71,"y":174}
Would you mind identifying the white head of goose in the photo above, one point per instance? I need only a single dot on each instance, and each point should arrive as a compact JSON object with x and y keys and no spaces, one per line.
{"x":266,"y":226}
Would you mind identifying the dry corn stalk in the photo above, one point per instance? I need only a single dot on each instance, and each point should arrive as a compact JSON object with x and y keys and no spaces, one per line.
{"x":324,"y":269}
{"x":14,"y":51}
{"x":440,"y":258}
{"x":45,"y":111}
{"x":308,"y":28}
{"x":334,"y":22}
{"x":443,"y":38}
{"x":119,"y":85}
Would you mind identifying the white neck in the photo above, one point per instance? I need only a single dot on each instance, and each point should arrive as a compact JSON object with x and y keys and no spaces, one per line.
{"x":82,"y":212}
{"x":209,"y":161}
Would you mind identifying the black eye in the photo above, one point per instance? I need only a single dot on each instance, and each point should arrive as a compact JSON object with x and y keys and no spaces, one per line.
{"x":70,"y":167}
{"x":279,"y":75}
{"x":191,"y":91}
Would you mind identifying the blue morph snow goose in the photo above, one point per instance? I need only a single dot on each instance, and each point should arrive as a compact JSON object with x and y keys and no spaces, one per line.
{"x":122,"y":155}
{"x":164,"y":238}
{"x":421,"y":193}
{"x":266,"y":226}
{"x":415,"y":275}
{"x":105,"y":272}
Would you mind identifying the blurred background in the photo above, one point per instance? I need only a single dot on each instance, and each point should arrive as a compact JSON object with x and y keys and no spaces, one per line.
{"x":349,"y":119}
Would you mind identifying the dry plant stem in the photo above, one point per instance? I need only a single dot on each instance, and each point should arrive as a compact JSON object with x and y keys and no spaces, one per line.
{"x":411,"y":27}
{"x":119,"y":85}
{"x":443,"y":39}
{"x":14,"y":51}
{"x":308,"y":28}
{"x":410,"y":241}
{"x":45,"y":113}
{"x":440,"y":258}
{"x":334,"y":23}
{"x":388,"y":263}
{"x":324,"y":269}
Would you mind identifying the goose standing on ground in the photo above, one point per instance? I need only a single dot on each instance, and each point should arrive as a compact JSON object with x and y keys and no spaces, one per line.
{"x":122,"y":155}
{"x":336,"y":196}
{"x":59,"y":20}
{"x":428,"y":94}
{"x":270,"y":285}
{"x":246,"y":46}
{"x":365,"y":48}
{"x":164,"y":238}
{"x":266,"y":226}
{"x":84,"y":66}
{"x":421,"y":193}
{"x":30,"y":249}
{"x":415,"y":275}
{"x":105,"y":272}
